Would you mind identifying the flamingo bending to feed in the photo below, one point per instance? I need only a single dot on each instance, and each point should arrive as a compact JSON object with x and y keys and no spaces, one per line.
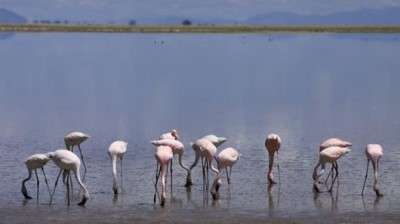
{"x":76,"y":138}
{"x":328,"y":155}
{"x":35,"y":162}
{"x":272,"y":144}
{"x":333,"y":142}
{"x":163,"y":156}
{"x":226,"y":158}
{"x":67,"y":160}
{"x":116,"y":150}
{"x":177,"y":148}
{"x":204,"y":149}
{"x":373,"y":152}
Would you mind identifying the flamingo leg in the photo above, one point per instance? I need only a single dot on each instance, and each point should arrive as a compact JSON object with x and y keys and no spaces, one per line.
{"x":158,"y":172}
{"x":333,"y":182}
{"x":279,"y":171}
{"x":37,"y":186}
{"x":122,"y":180}
{"x":366,"y":175}
{"x":68,"y":181}
{"x":83,"y":161}
{"x":55,"y":186}
{"x":227,"y":176}
{"x":45,"y":180}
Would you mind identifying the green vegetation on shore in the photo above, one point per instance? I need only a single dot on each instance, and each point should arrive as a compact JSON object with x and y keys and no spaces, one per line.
{"x":197,"y":29}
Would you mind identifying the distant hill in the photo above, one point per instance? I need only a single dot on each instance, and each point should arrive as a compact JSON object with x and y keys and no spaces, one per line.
{"x":7,"y":16}
{"x":390,"y":16}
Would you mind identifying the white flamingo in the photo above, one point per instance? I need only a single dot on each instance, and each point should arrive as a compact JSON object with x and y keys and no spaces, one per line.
{"x":272,"y":144}
{"x":66,"y":160}
{"x":177,"y":148}
{"x":373,"y":152}
{"x":170,"y":135}
{"x":328,"y":155}
{"x":116,"y":150}
{"x":163,"y":156}
{"x":35,"y":162}
{"x":76,"y":138}
{"x":226,"y":158}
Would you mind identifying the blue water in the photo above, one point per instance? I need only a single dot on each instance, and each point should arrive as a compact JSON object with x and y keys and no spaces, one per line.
{"x":134,"y":87}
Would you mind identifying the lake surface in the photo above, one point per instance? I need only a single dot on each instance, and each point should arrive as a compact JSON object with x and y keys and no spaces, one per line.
{"x":134,"y":87}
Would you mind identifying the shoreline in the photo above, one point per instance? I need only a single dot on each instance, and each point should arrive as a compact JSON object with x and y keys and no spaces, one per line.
{"x":33,"y":28}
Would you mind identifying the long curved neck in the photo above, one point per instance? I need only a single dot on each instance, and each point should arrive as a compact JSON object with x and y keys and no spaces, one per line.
{"x":78,"y":179}
{"x":181,"y":164}
{"x":114,"y":170}
{"x":163,"y":184}
{"x":23,"y":189}
{"x":375,"y":167}
{"x":212,"y":165}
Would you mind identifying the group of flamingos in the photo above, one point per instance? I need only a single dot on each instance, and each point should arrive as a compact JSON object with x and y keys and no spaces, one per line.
{"x":205,"y":148}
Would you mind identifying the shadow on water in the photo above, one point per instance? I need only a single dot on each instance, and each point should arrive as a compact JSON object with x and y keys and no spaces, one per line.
{"x":271,"y":203}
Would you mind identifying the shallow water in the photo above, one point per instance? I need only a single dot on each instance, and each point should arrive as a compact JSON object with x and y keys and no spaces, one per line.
{"x":306,"y":88}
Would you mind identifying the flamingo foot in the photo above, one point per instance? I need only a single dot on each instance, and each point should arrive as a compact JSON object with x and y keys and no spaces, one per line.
{"x":115,"y":191}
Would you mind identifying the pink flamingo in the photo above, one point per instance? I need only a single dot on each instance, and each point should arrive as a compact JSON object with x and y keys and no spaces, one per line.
{"x":177,"y":148}
{"x":373,"y":152}
{"x":333,"y":142}
{"x":76,"y":138}
{"x":34,"y":162}
{"x":226,"y":158}
{"x":116,"y":150}
{"x":170,"y":135}
{"x":328,"y":155}
{"x":272,"y":144}
{"x":203,"y":148}
{"x":163,"y":156}
{"x":66,"y":160}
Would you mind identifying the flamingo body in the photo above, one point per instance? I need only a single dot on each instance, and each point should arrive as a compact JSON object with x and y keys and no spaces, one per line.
{"x":66,"y":160}
{"x":328,"y":155}
{"x":272,"y":144}
{"x":116,"y":151}
{"x":204,"y":148}
{"x":226,"y":158}
{"x":76,"y":138}
{"x":217,"y":141}
{"x":33,"y":162}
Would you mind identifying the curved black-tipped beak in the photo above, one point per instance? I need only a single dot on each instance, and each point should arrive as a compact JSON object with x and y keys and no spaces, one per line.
{"x":26,"y":195}
{"x":82,"y":203}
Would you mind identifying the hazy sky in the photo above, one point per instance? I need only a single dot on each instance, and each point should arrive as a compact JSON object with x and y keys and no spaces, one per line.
{"x":121,"y":10}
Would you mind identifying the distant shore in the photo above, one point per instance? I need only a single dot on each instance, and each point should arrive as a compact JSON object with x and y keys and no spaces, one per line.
{"x":13,"y":28}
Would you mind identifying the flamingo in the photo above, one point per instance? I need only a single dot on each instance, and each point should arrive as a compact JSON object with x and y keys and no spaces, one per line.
{"x":76,"y":138}
{"x":35,"y":162}
{"x":328,"y":155}
{"x":217,"y":141}
{"x":116,"y":150}
{"x":163,"y":156}
{"x":226,"y":158}
{"x":66,"y":160}
{"x":333,"y":142}
{"x":204,"y":148}
{"x":170,"y":135}
{"x":272,"y":144}
{"x":177,"y":148}
{"x":373,"y":152}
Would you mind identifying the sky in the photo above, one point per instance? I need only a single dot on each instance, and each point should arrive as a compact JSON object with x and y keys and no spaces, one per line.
{"x":235,"y":10}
